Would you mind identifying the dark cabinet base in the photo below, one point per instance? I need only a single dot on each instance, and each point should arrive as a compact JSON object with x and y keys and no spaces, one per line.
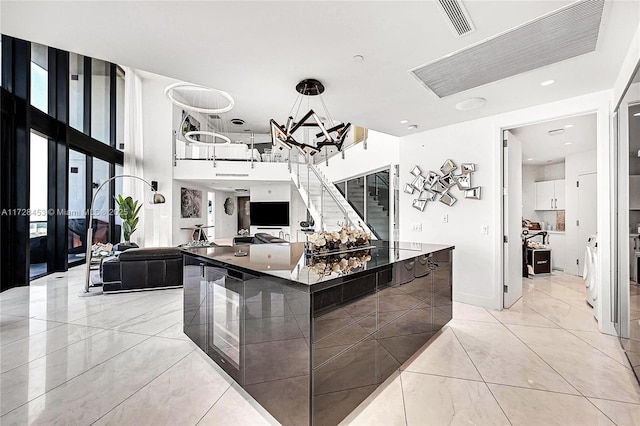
{"x":311,"y":357}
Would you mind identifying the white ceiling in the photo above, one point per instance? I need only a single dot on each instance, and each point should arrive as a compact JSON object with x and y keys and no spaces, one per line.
{"x":258,"y":51}
{"x":547,"y":149}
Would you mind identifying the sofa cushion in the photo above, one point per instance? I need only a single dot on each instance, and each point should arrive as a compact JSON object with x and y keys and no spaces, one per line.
{"x":264,"y":238}
{"x":110,"y":270}
{"x":154,"y":253}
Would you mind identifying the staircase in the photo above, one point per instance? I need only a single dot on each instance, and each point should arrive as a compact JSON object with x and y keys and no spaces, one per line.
{"x":377,"y":207}
{"x":329,"y":209}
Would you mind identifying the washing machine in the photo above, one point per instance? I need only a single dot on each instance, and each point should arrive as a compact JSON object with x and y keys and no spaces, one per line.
{"x":591,"y":273}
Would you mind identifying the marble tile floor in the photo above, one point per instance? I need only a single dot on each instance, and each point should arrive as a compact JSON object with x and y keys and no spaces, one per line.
{"x":123,"y":360}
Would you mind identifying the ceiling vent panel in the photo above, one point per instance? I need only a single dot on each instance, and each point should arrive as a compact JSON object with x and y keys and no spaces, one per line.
{"x":560,"y":35}
{"x":456,"y":16}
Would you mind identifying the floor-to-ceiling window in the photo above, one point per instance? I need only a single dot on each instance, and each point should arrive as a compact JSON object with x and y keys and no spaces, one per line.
{"x":38,"y":203}
{"x":77,"y":222}
{"x":76,"y":91}
{"x":100,"y":100}
{"x":101,"y":215}
{"x":40,"y":77}
{"x":62,"y":136}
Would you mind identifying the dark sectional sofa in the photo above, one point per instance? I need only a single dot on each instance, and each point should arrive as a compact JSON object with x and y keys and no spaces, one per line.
{"x":143,"y":269}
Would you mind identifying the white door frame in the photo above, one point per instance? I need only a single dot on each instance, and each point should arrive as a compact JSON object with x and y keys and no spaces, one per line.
{"x":600,"y":104}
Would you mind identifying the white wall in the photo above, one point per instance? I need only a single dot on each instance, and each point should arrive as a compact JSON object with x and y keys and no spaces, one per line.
{"x":270,"y":192}
{"x":382,"y":151}
{"x":226,"y":226}
{"x":553,"y":172}
{"x":178,"y":235}
{"x":477,"y":265}
{"x":627,"y":69}
{"x":158,"y":163}
{"x":475,"y":255}
{"x":298,"y":214}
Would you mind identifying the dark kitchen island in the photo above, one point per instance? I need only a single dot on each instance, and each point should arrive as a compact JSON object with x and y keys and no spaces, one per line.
{"x":308,"y":346}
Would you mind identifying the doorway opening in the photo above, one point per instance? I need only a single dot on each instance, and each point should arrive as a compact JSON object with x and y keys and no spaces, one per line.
{"x":550,"y":214}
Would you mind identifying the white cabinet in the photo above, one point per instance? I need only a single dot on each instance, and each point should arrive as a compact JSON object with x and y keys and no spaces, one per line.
{"x":634,"y":192}
{"x":545,"y":193}
{"x":559,"y":199}
{"x":550,"y":195}
{"x":557,"y":245}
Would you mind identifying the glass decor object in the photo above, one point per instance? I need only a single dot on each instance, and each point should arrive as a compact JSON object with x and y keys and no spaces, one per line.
{"x":408,"y":188}
{"x":432,"y":177}
{"x":439,"y":187}
{"x":418,"y":182}
{"x":428,"y":195}
{"x":448,"y":167}
{"x":467,"y":168}
{"x":473,"y":193}
{"x":448,"y":181}
{"x":447,"y":199}
{"x":463,"y":181}
{"x":419,"y":204}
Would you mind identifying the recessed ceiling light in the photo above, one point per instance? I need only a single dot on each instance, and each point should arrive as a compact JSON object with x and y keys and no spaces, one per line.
{"x":404,"y":121}
{"x":547,"y":83}
{"x":413,"y":127}
{"x":637,"y":114}
{"x":471,"y":103}
{"x":237,"y":121}
{"x":529,"y":159}
{"x":358,"y":58}
{"x":568,"y":126}
{"x":567,"y":143}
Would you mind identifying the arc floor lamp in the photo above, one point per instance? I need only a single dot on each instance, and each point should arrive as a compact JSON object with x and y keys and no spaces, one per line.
{"x":156,"y":198}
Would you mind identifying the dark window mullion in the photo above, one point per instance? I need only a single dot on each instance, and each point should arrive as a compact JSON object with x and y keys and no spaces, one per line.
{"x":89,"y":195}
{"x":112,"y":194}
{"x":52,"y":87}
{"x":62,"y":86}
{"x":7,"y":63}
{"x":87,"y":96}
{"x":113,"y":72}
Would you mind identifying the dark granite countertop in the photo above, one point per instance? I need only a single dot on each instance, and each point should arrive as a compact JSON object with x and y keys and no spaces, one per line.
{"x":289,"y":263}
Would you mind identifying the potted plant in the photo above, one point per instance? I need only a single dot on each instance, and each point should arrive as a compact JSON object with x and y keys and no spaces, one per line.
{"x":128,"y":211}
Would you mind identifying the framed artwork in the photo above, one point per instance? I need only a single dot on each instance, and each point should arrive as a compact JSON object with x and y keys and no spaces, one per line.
{"x":190,"y":203}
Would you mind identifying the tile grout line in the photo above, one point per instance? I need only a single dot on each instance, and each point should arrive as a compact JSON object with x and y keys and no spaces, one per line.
{"x":543,"y":360}
{"x":595,"y":347}
{"x":77,"y":375}
{"x":499,"y":405}
{"x":404,"y":402}
{"x":130,"y":319}
{"x":603,"y":413}
{"x":480,"y":374}
{"x":213,"y":405}
{"x":442,"y":375}
{"x":52,"y":352}
{"x":31,"y":335}
{"x":143,"y":386}
{"x":467,"y":354}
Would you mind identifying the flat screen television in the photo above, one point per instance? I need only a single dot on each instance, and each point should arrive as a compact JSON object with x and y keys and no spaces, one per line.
{"x":273,"y":213}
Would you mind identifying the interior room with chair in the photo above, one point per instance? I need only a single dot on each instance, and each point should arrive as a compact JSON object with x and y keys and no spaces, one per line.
{"x":320,"y":213}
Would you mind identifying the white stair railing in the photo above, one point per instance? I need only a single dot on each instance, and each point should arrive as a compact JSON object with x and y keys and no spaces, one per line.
{"x":325,"y":203}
